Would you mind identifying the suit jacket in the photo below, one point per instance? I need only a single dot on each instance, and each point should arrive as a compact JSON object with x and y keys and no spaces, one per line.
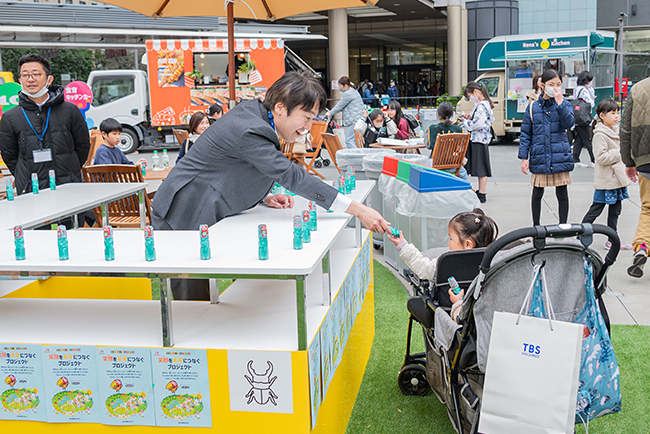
{"x":229,"y":169}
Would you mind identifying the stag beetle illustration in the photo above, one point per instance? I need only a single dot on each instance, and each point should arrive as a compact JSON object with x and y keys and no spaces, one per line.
{"x":261,"y":384}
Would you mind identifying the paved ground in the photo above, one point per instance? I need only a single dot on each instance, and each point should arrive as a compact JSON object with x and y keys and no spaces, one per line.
{"x":627,"y":299}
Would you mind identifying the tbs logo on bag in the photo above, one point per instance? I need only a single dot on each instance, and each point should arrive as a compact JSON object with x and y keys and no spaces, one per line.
{"x":531,"y":350}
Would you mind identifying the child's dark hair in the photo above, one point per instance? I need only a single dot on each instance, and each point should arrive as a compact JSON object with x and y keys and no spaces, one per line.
{"x":375,"y":114}
{"x":109,"y":125}
{"x":584,"y":77}
{"x":535,"y":84}
{"x":445,"y":112}
{"x":550,"y":74}
{"x":472,"y":86}
{"x":475,"y":226}
{"x":603,"y":107}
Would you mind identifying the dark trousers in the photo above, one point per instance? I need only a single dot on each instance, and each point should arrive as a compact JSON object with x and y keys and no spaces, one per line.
{"x":596,"y":209}
{"x":562,"y":195}
{"x":582,"y":141}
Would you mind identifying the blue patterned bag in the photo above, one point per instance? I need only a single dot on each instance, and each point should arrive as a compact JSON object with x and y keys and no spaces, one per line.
{"x":599,"y":388}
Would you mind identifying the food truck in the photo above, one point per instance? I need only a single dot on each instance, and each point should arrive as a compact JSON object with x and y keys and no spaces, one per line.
{"x":513,"y":61}
{"x":184,"y":76}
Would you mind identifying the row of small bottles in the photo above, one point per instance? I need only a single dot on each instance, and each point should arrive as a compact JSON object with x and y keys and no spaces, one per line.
{"x":35,"y":188}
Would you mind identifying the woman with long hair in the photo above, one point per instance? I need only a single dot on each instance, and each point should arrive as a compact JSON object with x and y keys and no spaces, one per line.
{"x":394,"y":112}
{"x":479,"y":124}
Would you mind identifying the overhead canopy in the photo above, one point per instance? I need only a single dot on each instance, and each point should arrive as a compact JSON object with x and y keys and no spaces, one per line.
{"x":537,"y":55}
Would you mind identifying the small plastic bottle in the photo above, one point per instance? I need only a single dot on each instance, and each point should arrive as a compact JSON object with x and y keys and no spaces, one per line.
{"x":149,"y":248}
{"x":306,"y":233}
{"x":62,"y":241}
{"x":394,"y":231}
{"x":19,"y":241}
{"x":34,"y":183}
{"x":297,"y":232}
{"x":454,"y":285}
{"x":155,"y":161}
{"x":313,"y":218}
{"x":342,"y":184}
{"x":109,"y":245}
{"x":165,"y":159}
{"x":52,"y":180}
{"x":354,"y":179}
{"x":10,"y":190}
{"x":348,"y":182}
{"x":263,"y":250}
{"x":143,"y":165}
{"x":205,"y":243}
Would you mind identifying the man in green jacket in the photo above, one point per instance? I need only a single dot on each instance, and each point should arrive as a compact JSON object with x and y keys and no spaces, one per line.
{"x":635,"y":153}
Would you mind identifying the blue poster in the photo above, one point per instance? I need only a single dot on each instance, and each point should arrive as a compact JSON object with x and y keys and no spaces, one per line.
{"x":181,"y":387}
{"x":315,"y":377}
{"x":125,"y":386}
{"x":70,"y":383}
{"x":22,"y":372}
{"x":329,"y":341}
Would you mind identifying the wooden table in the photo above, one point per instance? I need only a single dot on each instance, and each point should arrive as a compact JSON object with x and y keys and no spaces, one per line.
{"x":158,"y":175}
{"x":398,"y":148}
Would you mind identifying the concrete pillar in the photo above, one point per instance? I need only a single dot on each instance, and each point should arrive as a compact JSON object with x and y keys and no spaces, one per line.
{"x":338,"y":39}
{"x":463,"y":51}
{"x":454,"y":49}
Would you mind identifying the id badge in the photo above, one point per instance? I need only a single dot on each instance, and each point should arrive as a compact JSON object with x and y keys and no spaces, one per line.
{"x":42,"y":155}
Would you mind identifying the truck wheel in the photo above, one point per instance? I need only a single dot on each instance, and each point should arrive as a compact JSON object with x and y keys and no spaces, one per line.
{"x":129,"y":142}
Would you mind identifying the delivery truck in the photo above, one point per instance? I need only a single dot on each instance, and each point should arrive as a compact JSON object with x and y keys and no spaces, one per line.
{"x":184,"y":76}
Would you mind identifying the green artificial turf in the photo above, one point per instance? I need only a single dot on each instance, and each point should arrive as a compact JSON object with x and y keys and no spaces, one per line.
{"x":381,"y":407}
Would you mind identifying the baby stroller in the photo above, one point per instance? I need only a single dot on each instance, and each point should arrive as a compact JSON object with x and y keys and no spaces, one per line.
{"x":321,"y":161}
{"x":453,"y":364}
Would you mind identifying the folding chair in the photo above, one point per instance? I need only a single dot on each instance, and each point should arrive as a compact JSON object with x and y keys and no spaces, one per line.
{"x":95,"y":141}
{"x":359,"y":139}
{"x":333,"y":145}
{"x":181,"y":136}
{"x":286,"y":148}
{"x":123,"y":213}
{"x":449,"y":151}
{"x":310,"y":154}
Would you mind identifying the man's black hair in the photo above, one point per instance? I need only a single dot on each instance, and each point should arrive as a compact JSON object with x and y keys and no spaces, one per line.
{"x":109,"y":125}
{"x":33,"y":57}
{"x":585,"y":77}
{"x":296,"y":90}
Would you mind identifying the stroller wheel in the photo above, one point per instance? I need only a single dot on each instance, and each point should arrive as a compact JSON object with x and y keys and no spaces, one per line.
{"x":326,"y":163}
{"x":412,"y":380}
{"x":376,"y":246}
{"x":318,"y":164}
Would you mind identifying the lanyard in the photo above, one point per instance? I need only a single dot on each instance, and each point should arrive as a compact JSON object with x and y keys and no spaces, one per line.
{"x":271,"y":120}
{"x":47,"y":122}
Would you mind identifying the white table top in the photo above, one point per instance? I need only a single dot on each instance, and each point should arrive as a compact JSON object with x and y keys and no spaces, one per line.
{"x":34,"y":210}
{"x":234,"y":245}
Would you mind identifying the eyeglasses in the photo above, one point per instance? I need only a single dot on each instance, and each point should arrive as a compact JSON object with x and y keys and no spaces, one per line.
{"x":35,"y":76}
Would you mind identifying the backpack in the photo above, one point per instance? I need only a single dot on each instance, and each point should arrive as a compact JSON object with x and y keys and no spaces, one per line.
{"x":412,"y":121}
{"x":581,"y":112}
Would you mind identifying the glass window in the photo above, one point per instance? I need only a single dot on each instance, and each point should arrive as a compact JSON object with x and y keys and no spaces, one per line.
{"x":109,"y":89}
{"x":491,"y":84}
{"x":602,"y":67}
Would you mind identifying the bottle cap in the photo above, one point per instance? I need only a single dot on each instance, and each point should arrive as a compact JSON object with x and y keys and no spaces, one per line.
{"x":61,"y":232}
{"x":203,"y":229}
{"x":262,"y":231}
{"x":108,"y":231}
{"x":305,"y":216}
{"x":148,"y":231}
{"x":297,"y":221}
{"x":18,"y":232}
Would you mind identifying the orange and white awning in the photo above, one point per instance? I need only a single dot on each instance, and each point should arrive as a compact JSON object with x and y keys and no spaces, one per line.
{"x":214,"y":44}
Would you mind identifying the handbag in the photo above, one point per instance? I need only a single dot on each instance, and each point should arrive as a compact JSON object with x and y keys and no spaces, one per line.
{"x":531,"y":377}
{"x":599,"y":390}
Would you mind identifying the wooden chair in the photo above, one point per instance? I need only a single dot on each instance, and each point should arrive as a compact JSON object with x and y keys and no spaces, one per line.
{"x":449,"y":151}
{"x":286,"y":148}
{"x":181,"y":135}
{"x":310,"y":154}
{"x":317,"y":130}
{"x":359,"y":139}
{"x":96,"y":139}
{"x":123,"y":213}
{"x":333,"y":145}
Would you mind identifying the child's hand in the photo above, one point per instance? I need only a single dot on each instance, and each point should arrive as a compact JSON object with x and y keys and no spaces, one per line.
{"x":141,"y":162}
{"x":395,"y":240}
{"x":454,"y":298}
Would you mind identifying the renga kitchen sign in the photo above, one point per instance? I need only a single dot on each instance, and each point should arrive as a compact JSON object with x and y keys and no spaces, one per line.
{"x":545,"y":44}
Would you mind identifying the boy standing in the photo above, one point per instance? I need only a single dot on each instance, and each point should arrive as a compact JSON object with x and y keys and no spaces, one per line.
{"x":107,"y":153}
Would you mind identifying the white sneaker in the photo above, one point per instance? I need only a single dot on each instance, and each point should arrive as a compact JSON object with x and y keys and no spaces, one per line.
{"x":580,"y":165}
{"x":592,"y":165}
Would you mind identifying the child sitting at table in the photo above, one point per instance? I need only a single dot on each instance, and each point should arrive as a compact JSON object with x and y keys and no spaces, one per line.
{"x":445,"y":126}
{"x":467,"y":230}
{"x":373,"y":126}
{"x":107,"y":153}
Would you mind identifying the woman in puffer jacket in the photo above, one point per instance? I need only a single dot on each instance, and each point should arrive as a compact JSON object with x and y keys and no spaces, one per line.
{"x":544,"y":148}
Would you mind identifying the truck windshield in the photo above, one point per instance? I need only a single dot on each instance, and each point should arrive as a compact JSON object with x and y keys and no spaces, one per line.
{"x":109,"y":89}
{"x":491,"y":84}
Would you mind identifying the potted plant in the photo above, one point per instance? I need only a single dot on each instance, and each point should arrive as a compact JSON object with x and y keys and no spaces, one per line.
{"x":244,"y":69}
{"x":196,"y":76}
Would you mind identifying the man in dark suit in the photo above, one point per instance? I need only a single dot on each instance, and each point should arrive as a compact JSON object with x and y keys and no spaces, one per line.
{"x":233,"y":165}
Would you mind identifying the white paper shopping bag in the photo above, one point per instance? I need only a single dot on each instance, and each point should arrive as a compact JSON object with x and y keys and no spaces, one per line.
{"x":531,"y":377}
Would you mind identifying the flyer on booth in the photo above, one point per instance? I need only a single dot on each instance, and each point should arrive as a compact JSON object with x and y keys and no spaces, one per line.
{"x":314,"y":378}
{"x":70,"y":383}
{"x":330,"y":344}
{"x":181,"y":387}
{"x":22,"y":372}
{"x":125,"y":386}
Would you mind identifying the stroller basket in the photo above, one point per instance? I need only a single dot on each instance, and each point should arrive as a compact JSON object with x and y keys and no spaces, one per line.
{"x":453,"y":364}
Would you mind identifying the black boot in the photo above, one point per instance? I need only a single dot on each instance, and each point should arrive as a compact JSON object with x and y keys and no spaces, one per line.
{"x":481,"y":196}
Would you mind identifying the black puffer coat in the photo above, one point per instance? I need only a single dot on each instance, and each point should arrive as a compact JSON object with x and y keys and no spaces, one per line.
{"x":66,"y":135}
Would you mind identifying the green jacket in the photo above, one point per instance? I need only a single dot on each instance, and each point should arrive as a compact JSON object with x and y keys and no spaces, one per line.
{"x":635,"y":127}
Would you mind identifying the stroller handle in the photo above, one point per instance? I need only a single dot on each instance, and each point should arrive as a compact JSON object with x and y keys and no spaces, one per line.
{"x":540,"y":233}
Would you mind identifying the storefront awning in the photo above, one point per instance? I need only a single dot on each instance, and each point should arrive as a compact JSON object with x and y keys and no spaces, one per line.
{"x":537,"y":55}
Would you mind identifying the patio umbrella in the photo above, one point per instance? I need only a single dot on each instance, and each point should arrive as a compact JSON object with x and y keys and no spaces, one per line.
{"x":248,"y":9}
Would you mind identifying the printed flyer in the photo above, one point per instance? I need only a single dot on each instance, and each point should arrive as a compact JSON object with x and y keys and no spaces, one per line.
{"x":70,"y":383}
{"x":22,"y":372}
{"x":181,"y":387}
{"x":314,"y":378}
{"x":171,"y":69}
{"x":125,"y":386}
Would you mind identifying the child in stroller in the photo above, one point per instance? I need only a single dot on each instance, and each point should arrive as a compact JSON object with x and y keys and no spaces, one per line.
{"x":453,"y":364}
